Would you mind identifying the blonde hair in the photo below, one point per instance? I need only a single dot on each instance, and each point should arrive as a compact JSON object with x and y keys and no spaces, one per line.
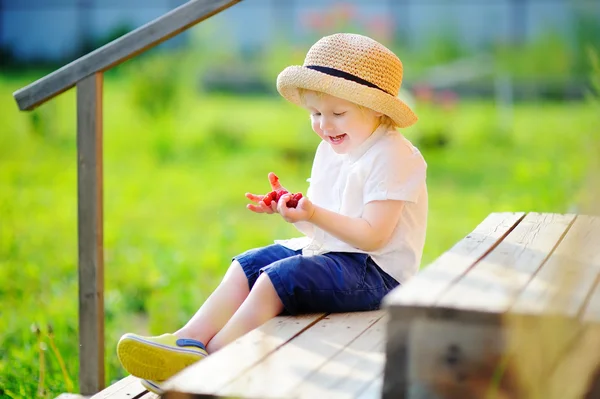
{"x":383,"y":119}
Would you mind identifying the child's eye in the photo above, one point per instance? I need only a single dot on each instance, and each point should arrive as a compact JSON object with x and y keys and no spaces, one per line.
{"x":339,"y":114}
{"x":316,"y":114}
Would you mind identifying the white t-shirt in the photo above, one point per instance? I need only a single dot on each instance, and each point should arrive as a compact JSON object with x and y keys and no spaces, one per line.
{"x":386,"y":166}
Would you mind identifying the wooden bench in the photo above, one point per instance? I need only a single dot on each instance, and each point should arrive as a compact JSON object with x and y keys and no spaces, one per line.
{"x":456,"y":330}
{"x":513,"y":310}
{"x":317,"y":355}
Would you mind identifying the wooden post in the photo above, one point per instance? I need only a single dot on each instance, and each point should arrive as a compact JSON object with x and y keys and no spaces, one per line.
{"x":90,"y":233}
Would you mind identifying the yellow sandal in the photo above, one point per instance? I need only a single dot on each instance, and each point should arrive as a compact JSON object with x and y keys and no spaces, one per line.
{"x":158,"y":358}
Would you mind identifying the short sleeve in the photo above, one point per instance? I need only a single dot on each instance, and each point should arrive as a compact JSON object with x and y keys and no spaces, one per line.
{"x":305,"y":227}
{"x":316,"y":161}
{"x":309,"y":190}
{"x":396,"y":174}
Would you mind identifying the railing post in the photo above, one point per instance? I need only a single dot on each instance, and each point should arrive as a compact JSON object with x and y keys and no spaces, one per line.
{"x":90,"y":234}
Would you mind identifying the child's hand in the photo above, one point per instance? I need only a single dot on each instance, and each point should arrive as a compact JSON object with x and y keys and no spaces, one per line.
{"x":261,"y":206}
{"x":302,"y":212}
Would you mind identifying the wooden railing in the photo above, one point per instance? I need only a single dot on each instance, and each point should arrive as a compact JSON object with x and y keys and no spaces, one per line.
{"x":86,"y":73}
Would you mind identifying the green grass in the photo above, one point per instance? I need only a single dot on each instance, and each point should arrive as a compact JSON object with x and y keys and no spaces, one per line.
{"x":175,"y":208}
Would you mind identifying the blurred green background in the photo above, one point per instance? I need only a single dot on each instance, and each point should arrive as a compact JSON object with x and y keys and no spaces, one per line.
{"x":189,"y":129}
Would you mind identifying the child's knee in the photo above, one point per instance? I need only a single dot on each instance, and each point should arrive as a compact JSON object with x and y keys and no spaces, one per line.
{"x":235,"y":265}
{"x":265,"y":290}
{"x":264,"y":283}
{"x":236,"y":272}
{"x":235,"y":269}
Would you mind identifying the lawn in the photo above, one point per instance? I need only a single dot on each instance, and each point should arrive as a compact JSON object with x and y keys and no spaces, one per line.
{"x":176,"y":171}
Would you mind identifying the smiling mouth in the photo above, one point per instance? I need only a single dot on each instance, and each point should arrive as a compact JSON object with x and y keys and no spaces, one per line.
{"x":337,"y":139}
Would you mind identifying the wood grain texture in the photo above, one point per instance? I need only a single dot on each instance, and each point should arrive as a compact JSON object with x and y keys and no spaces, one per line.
{"x":277,"y":375}
{"x":126,"y":388}
{"x":564,"y":283}
{"x":592,"y":310}
{"x":494,"y":283}
{"x":414,"y":300}
{"x":90,"y":233}
{"x":350,"y":371}
{"x":451,"y":359}
{"x":426,"y":287}
{"x":373,"y":391}
{"x":217,"y":370}
{"x":71,"y":396}
{"x":395,"y":378}
{"x":119,"y":50}
{"x":580,"y":367}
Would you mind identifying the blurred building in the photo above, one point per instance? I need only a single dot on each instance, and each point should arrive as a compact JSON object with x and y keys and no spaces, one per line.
{"x":58,"y":29}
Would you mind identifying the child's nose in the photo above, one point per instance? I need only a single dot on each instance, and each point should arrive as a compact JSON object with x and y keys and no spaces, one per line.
{"x":326,"y":124}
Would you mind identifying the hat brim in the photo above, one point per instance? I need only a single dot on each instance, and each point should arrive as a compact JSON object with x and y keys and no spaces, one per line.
{"x":294,"y":77}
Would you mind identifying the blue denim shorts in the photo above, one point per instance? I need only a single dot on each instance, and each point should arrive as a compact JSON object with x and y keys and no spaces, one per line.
{"x":331,"y":282}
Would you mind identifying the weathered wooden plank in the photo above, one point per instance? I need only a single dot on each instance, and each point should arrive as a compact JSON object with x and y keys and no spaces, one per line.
{"x":220,"y":368}
{"x":90,"y":233}
{"x":452,"y":356}
{"x":300,"y":357}
{"x":373,"y":391}
{"x":350,"y":371}
{"x":592,"y":310}
{"x":425,"y":288}
{"x":536,"y":344}
{"x":566,"y":280}
{"x":450,"y":359}
{"x":71,"y":396}
{"x":126,"y":388}
{"x":493,"y":284}
{"x":594,"y":386}
{"x":576,"y":372}
{"x":119,"y":50}
{"x":150,"y":395}
{"x":413,"y":300}
{"x":182,"y":395}
{"x":395,"y":379}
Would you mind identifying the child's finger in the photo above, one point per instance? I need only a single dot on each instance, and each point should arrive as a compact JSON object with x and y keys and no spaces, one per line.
{"x":260,"y":208}
{"x":302,"y":204}
{"x":282,"y":203}
{"x":274,"y":181}
{"x":266,"y":208}
{"x":254,"y":208}
{"x":254,"y":197}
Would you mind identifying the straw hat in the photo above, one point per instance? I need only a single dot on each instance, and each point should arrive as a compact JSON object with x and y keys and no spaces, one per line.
{"x":355,"y":68}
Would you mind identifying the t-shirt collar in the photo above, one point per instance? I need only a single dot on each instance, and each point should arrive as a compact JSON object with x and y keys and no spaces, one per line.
{"x":359,"y":151}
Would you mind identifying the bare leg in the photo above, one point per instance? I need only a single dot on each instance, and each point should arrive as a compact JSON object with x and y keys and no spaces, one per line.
{"x":219,"y":307}
{"x":262,"y":304}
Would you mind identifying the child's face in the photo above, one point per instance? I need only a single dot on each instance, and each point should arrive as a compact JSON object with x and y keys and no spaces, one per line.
{"x":341,"y":123}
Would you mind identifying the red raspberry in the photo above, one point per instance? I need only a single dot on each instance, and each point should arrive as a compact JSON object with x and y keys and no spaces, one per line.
{"x":293,"y":202}
{"x":273,"y":196}
{"x":276,"y":195}
{"x":279,"y":193}
{"x":269,"y":197}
